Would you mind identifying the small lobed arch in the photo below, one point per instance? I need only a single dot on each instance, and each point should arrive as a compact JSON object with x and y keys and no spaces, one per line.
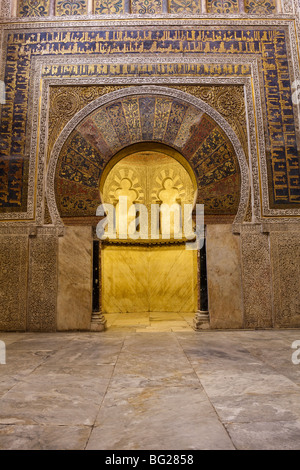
{"x":154,"y":147}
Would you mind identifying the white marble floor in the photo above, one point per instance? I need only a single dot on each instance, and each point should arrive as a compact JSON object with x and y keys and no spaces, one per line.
{"x":157,"y":390}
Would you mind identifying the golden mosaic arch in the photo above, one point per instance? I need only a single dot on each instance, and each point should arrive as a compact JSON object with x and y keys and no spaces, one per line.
{"x":106,"y":129}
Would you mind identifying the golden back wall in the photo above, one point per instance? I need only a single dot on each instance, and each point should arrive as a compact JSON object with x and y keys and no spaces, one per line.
{"x":149,"y":279}
{"x":137,"y":277}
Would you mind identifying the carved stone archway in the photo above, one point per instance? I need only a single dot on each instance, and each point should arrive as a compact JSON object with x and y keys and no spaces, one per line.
{"x":155,"y":92}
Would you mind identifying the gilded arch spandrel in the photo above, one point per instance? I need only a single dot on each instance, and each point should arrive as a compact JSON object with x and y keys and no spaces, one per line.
{"x":67,"y":100}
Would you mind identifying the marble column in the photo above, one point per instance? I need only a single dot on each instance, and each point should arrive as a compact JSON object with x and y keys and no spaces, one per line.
{"x":279,"y":6}
{"x":90,"y":7}
{"x":201,"y":320}
{"x":242,"y":6}
{"x":52,"y":8}
{"x":98,"y":322}
{"x":165,"y":6}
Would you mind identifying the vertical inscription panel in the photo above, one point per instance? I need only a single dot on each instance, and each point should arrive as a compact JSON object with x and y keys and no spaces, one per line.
{"x":285,"y":251}
{"x":256,"y":274}
{"x":13,"y":282}
{"x":42,"y":283}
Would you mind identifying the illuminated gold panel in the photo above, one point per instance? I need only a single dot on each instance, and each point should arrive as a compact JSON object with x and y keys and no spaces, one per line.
{"x":143,"y":279}
{"x":148,"y":177}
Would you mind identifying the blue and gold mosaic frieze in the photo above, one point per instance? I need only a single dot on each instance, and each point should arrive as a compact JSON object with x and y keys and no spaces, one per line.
{"x":149,"y":7}
{"x":223,"y":6}
{"x":109,"y":7}
{"x":70,"y":7}
{"x":185,"y":6}
{"x":260,"y":7}
{"x":268,"y":45}
{"x":28,"y":8}
{"x":33,"y":8}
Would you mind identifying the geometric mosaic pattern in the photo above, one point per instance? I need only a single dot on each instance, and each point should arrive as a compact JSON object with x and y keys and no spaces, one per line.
{"x":223,"y":6}
{"x":40,"y":8}
{"x":260,"y":7}
{"x":33,"y":8}
{"x":185,"y":6}
{"x":70,"y":7}
{"x":150,"y":7}
{"x":147,"y":118}
{"x":108,"y":7}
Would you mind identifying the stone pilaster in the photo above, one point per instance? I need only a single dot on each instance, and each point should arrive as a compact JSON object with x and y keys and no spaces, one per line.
{"x":13,"y":281}
{"x":285,"y":257}
{"x":256,"y":277}
{"x":42,"y":280}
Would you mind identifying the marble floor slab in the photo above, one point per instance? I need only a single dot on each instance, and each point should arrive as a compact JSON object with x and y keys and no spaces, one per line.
{"x":158,"y":387}
{"x":151,"y":321}
{"x":179,"y":417}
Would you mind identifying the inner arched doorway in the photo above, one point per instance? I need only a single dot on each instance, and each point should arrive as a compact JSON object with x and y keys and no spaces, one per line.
{"x":154,"y":272}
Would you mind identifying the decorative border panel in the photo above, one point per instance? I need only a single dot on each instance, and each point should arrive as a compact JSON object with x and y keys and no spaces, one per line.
{"x":71,"y":7}
{"x":146,"y":7}
{"x":42,"y":281}
{"x":261,"y":7}
{"x":285,"y":251}
{"x":109,"y":7}
{"x":29,"y":8}
{"x":226,"y":7}
{"x":185,"y":6}
{"x":268,"y":48}
{"x":13,"y":281}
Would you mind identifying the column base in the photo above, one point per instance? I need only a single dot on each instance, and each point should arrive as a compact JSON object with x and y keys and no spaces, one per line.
{"x":201,"y":321}
{"x":98,"y":322}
